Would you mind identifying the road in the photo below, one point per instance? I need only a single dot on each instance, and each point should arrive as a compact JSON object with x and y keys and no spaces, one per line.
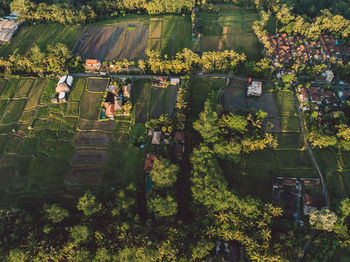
{"x":309,"y":149}
{"x":319,"y":171}
{"x":199,"y":75}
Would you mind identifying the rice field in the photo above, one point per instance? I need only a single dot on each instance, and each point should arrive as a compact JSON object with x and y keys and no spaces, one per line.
{"x":46,"y":149}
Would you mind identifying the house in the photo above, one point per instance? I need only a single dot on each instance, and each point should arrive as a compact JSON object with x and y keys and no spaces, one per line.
{"x":159,"y":81}
{"x":118,"y":104}
{"x":109,"y":109}
{"x":179,"y":136}
{"x":149,"y":162}
{"x":156,"y":138}
{"x":92,"y":65}
{"x":255,"y":89}
{"x":64,"y":84}
{"x":174,"y":81}
{"x":8,"y":27}
{"x":311,"y":202}
{"x":302,"y":95}
{"x":127,"y":90}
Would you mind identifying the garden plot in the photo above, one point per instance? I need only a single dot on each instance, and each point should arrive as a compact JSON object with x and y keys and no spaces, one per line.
{"x":87,"y":176}
{"x":289,"y":140}
{"x":90,"y":105}
{"x":91,"y":139}
{"x":124,"y":40}
{"x":83,"y":157}
{"x":97,"y":84}
{"x":2,"y":84}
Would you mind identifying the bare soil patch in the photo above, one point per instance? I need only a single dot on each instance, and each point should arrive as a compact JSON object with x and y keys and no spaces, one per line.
{"x":266,"y":103}
{"x":155,"y":29}
{"x":117,"y":40}
{"x":90,"y":105}
{"x":112,"y":42}
{"x":97,"y":84}
{"x":87,"y":176}
{"x":89,"y":157}
{"x":92,"y":139}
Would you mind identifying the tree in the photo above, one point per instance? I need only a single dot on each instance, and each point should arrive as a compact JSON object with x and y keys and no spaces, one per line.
{"x":163,"y":206}
{"x":79,"y":233}
{"x":164,"y":173}
{"x":88,"y":204}
{"x":323,"y":219}
{"x":127,"y":107}
{"x":55,"y":213}
{"x":207,"y":124}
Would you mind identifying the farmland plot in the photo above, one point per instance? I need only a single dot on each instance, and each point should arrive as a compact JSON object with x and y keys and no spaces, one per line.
{"x":24,"y":86}
{"x":90,"y":105}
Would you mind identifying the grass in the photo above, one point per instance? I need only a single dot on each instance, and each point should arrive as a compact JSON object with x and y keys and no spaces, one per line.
{"x":202,"y":89}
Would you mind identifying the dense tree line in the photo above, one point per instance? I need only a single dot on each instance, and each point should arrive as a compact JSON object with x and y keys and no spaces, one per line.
{"x":54,"y":61}
{"x":313,"y":8}
{"x":72,"y":12}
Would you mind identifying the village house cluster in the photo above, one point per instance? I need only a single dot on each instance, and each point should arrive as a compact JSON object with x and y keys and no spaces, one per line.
{"x":286,"y":48}
{"x":8,"y":27}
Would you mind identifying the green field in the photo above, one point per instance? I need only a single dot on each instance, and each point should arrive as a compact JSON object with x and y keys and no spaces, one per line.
{"x":150,"y":102}
{"x":170,"y":34}
{"x":43,"y":35}
{"x":229,"y":28}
